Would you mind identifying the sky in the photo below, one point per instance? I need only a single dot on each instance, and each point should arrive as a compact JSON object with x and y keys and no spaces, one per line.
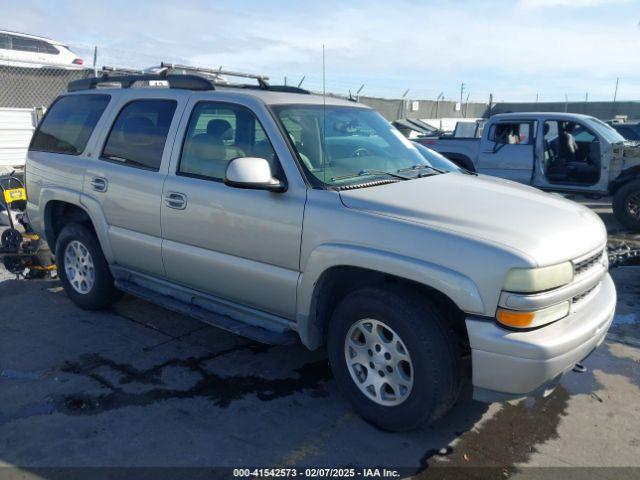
{"x":515,"y":49}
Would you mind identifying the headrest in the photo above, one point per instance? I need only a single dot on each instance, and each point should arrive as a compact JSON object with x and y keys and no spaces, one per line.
{"x":220,"y":128}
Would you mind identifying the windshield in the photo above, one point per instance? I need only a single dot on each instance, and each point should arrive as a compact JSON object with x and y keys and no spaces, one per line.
{"x":359,"y":144}
{"x":607,"y":131}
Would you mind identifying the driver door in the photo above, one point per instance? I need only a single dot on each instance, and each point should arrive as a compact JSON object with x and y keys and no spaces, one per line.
{"x":237,"y":244}
{"x":507,"y":151}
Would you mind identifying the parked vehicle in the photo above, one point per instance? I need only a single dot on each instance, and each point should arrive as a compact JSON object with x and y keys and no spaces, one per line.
{"x":285,"y":216}
{"x":31,"y":51}
{"x":629,"y":130}
{"x":561,"y":152}
{"x":413,"y":128}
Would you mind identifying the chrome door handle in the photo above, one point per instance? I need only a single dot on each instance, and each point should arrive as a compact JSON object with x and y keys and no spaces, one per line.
{"x":99,"y":184}
{"x":175,"y":200}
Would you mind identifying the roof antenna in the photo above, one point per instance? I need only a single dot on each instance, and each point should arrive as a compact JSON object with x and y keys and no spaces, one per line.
{"x":324,"y":120}
{"x":301,"y":80}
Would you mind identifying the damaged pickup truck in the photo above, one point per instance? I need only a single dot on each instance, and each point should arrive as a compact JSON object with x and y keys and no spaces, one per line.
{"x":561,"y":152}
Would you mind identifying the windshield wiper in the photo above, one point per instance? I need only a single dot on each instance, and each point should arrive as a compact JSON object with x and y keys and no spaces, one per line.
{"x":369,"y":171}
{"x":420,"y":166}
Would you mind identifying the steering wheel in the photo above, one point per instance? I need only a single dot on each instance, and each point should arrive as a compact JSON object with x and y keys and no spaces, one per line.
{"x":360,"y":152}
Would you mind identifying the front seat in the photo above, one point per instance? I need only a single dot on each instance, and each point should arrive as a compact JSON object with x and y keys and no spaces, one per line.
{"x":567,"y":146}
{"x":222,"y":131}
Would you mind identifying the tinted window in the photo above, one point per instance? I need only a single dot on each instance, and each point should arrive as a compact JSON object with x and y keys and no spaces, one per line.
{"x":4,"y":41}
{"x":139,"y":133}
{"x":68,"y":124}
{"x":218,"y":133}
{"x":24,"y":44}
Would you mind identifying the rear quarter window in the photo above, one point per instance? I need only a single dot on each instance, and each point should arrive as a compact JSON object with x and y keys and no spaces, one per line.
{"x":69,"y":123}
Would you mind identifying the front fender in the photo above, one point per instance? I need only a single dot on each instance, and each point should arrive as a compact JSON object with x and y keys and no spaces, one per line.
{"x":458,"y":287}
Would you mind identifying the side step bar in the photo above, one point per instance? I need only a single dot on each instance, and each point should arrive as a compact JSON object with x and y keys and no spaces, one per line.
{"x":224,"y":322}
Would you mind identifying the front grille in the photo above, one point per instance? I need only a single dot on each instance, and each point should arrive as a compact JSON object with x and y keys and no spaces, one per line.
{"x":582,"y":295}
{"x":586,"y":264}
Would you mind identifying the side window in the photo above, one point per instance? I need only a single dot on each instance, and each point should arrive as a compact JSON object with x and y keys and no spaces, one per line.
{"x":516,"y":133}
{"x":139,"y":134}
{"x":25,"y":44}
{"x":582,"y":134}
{"x":68,"y":124}
{"x":5,"y":41}
{"x":45,"y":47}
{"x":218,"y":133}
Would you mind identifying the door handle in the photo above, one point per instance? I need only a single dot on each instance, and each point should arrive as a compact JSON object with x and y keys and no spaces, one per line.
{"x":175,"y":200}
{"x":99,"y":184}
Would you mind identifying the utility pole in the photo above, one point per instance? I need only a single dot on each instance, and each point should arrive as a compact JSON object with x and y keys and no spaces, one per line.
{"x":586,"y":100}
{"x":440,"y":97}
{"x":566,"y":102}
{"x":95,"y":61}
{"x":402,"y":103}
{"x":285,"y":80}
{"x":490,"y":103}
{"x":301,"y":80}
{"x":466,"y":104}
{"x":461,"y":94}
{"x":536,"y":98}
{"x":615,"y":96}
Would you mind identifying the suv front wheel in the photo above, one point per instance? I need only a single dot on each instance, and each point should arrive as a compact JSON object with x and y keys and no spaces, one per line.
{"x":394,"y":356}
{"x":82,"y":268}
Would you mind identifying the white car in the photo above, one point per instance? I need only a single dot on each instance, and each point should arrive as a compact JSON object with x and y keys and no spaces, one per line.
{"x":23,"y":50}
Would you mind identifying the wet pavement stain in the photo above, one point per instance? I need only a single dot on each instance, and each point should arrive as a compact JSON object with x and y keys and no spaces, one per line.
{"x":222,"y":390}
{"x":506,"y":439}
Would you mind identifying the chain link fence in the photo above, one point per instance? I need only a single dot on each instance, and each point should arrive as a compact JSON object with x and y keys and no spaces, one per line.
{"x":32,"y":86}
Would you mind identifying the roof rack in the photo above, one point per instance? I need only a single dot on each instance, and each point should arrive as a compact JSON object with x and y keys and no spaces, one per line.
{"x":178,"y":76}
{"x":219,"y":74}
{"x":186,"y":82}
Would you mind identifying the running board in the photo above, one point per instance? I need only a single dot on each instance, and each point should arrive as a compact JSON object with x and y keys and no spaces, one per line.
{"x":224,"y":322}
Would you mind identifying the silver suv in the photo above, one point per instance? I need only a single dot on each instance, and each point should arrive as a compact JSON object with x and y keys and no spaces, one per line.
{"x":285,"y":216}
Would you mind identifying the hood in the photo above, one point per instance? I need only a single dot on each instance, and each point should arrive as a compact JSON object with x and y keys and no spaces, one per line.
{"x":545,"y":227}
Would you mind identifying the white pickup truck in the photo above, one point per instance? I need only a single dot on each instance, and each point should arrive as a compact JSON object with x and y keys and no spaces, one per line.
{"x":560,"y":152}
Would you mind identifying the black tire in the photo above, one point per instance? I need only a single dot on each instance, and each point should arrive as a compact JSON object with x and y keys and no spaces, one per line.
{"x":627,"y":193}
{"x":103,"y":293}
{"x":432,"y":345}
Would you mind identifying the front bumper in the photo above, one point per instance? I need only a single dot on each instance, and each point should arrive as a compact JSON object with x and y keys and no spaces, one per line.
{"x":511,"y":364}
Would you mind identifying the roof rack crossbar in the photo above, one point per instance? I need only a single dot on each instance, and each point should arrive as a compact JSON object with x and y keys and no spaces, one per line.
{"x":186,"y":82}
{"x":262,"y":80}
{"x":106,"y":68}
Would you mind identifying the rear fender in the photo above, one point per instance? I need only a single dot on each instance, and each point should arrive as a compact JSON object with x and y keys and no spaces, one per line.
{"x":88,"y":204}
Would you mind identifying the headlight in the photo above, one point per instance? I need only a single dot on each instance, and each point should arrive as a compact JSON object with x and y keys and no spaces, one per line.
{"x":532,"y":319}
{"x":528,"y":280}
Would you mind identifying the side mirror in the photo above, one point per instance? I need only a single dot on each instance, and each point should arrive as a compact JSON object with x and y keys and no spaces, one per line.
{"x":252,"y":173}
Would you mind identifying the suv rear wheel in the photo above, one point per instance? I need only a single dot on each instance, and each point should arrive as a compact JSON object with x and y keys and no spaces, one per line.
{"x":395,"y":357}
{"x":626,"y":205}
{"x":83,"y":270}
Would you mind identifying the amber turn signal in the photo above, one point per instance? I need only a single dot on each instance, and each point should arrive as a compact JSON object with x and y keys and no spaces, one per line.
{"x":512,"y":318}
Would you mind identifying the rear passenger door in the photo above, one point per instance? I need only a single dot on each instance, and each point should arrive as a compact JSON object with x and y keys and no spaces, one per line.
{"x":127,"y":172}
{"x":237,"y":244}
